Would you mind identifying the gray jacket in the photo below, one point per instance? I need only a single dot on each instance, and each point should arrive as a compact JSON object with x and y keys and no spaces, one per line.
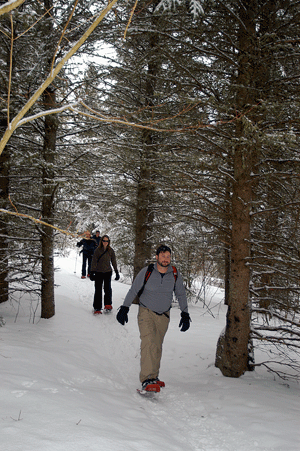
{"x":158,"y":292}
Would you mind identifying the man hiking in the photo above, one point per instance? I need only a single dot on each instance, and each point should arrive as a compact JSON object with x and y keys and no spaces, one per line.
{"x":154,"y":285}
{"x":89,"y":245}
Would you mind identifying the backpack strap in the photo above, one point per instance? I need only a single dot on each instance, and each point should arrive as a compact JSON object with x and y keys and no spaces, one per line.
{"x":175,"y":273}
{"x":101,"y":256}
{"x":147,"y":275}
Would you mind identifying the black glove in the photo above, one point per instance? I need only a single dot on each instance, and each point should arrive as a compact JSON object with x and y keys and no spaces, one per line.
{"x":93,"y":276}
{"x":122,"y":315}
{"x":185,"y":321}
{"x":117,"y":275}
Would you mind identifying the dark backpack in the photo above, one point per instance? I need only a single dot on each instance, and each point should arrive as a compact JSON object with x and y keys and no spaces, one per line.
{"x":148,"y":274}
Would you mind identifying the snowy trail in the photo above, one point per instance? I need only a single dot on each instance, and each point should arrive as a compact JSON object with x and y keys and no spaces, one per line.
{"x":69,"y":383}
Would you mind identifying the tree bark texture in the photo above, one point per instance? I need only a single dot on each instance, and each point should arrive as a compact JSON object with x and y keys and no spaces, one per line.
{"x":4,"y":186}
{"x":4,"y":177}
{"x":227,"y":246}
{"x":144,"y":216}
{"x":142,"y":245}
{"x":49,"y":187}
{"x":232,"y":356}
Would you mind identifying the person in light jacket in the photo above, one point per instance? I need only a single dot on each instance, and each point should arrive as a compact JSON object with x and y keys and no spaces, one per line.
{"x":155,"y":297}
{"x":104,"y":259}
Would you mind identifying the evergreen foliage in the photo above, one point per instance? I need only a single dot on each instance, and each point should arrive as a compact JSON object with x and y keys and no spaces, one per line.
{"x":210,"y":165}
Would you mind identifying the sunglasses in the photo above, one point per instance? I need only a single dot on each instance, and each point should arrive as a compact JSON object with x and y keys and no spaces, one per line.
{"x":104,"y":241}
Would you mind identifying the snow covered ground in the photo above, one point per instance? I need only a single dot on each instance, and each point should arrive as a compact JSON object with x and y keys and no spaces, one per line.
{"x":69,"y":383}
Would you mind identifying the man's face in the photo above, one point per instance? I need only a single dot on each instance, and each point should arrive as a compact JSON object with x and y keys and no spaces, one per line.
{"x":163,"y":259}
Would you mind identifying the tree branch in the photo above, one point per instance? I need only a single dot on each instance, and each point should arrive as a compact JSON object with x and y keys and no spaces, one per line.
{"x":9,"y":6}
{"x":15,"y":122}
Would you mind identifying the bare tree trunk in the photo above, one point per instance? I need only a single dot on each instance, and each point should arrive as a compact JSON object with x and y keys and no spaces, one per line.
{"x":232,"y":353}
{"x":4,"y":185}
{"x":4,"y":178}
{"x":227,"y":247}
{"x":233,"y":349}
{"x":47,"y":237}
{"x":145,"y":188}
{"x":142,"y":245}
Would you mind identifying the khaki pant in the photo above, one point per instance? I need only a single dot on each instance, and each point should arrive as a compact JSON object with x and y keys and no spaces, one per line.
{"x":153,"y":328}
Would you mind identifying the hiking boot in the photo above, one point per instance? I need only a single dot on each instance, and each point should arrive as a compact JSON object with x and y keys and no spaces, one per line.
{"x":150,"y":385}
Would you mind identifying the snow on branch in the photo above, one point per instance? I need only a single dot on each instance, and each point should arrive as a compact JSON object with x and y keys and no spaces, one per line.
{"x":9,"y":6}
{"x":70,"y":106}
{"x":194,"y":6}
{"x":37,"y":221}
{"x":53,"y":73}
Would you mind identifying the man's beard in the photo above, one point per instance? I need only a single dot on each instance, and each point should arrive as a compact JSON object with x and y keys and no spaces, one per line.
{"x":164,"y":264}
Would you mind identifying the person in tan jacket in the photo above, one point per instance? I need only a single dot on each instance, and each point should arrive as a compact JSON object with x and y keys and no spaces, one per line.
{"x":104,"y":259}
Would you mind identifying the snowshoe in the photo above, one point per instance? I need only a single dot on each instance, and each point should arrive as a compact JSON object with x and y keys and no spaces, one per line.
{"x":97,"y":312}
{"x":148,"y":386}
{"x":159,"y":382}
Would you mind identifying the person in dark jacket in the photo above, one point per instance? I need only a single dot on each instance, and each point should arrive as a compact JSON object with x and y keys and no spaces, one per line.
{"x":104,"y":259}
{"x":89,"y":246}
{"x":97,"y":237}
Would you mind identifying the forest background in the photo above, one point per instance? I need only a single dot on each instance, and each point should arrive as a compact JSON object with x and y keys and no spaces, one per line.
{"x":171,"y":121}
